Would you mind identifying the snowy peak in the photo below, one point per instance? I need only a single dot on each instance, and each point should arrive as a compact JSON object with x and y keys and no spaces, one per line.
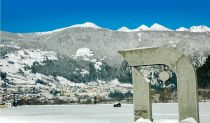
{"x":143,"y":27}
{"x":154,"y":27}
{"x":86,"y":25}
{"x":124,"y":29}
{"x":182,"y":29}
{"x":201,"y":28}
{"x":158,"y":27}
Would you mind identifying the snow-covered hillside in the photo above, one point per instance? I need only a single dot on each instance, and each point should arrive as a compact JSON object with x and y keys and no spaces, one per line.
{"x":19,"y":69}
{"x":83,"y":52}
{"x":14,"y":64}
{"x":87,"y":55}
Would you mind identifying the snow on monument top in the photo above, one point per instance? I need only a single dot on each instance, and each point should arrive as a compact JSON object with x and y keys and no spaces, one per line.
{"x":187,"y":120}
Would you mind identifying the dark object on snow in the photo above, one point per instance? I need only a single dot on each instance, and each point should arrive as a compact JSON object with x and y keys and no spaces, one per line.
{"x":117,"y":104}
{"x":95,"y":100}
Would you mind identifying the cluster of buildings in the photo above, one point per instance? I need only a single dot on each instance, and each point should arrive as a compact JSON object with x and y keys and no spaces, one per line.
{"x":91,"y":92}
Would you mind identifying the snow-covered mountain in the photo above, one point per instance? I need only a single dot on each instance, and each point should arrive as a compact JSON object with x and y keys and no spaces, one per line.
{"x":142,"y":27}
{"x":93,"y":44}
{"x":158,"y":27}
{"x":182,"y":29}
{"x":68,"y":40}
{"x":201,"y":28}
{"x":84,"y":25}
{"x":86,"y":53}
{"x":124,"y":29}
{"x":154,"y":27}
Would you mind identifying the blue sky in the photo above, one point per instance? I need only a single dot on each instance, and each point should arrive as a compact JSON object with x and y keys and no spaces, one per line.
{"x":44,"y":15}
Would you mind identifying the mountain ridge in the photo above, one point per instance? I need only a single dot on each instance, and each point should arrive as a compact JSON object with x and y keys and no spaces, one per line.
{"x":143,"y":27}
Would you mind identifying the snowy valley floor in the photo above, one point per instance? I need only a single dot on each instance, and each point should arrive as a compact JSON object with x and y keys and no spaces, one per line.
{"x":101,"y":113}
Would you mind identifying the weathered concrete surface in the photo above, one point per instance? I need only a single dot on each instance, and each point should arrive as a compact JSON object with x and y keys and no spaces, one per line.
{"x":141,"y":96}
{"x":187,"y":82}
{"x":149,"y":56}
{"x":187,"y":90}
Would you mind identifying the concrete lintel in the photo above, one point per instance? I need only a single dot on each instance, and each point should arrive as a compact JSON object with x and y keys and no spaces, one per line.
{"x":149,"y":56}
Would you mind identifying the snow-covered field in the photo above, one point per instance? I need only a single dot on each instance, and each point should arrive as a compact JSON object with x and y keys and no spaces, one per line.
{"x":101,"y":113}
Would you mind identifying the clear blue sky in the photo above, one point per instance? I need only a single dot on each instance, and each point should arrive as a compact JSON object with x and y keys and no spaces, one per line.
{"x":44,"y":15}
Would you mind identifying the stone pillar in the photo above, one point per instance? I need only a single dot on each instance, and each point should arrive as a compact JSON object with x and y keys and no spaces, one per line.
{"x":187,"y":90}
{"x":141,"y":96}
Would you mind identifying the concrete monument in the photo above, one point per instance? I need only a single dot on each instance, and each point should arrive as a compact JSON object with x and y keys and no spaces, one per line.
{"x":186,"y":80}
